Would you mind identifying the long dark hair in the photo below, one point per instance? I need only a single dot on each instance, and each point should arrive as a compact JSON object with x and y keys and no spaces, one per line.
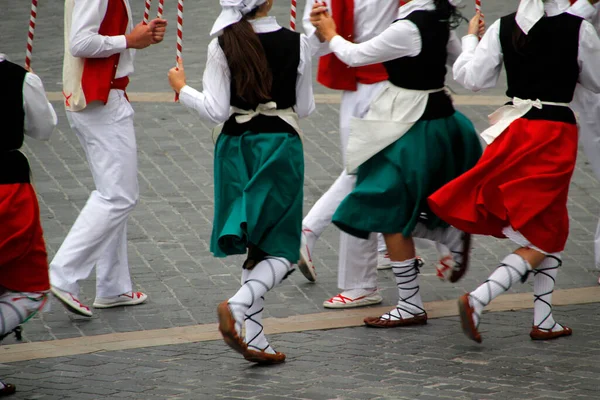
{"x":449,"y":13}
{"x":247,"y":61}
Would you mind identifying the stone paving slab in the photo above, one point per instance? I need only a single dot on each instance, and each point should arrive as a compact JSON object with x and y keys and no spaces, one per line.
{"x":170,"y":228}
{"x":434,"y":361}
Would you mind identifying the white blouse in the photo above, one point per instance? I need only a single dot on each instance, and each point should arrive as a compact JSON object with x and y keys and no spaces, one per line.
{"x":401,"y":39}
{"x":213,"y":103}
{"x":480,"y":64}
{"x":40,"y":118}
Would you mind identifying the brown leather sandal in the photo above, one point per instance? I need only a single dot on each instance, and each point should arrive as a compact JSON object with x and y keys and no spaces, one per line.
{"x":8,"y":389}
{"x":227,"y":328}
{"x":263,"y":358}
{"x":466,"y":318}
{"x":538,"y":333}
{"x":459,"y":270}
{"x":378,"y":322}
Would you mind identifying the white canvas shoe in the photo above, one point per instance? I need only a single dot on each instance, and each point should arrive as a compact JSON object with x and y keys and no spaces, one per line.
{"x":383,"y":260}
{"x":125,"y":299}
{"x":305,"y":264}
{"x":71,"y":302}
{"x":354,"y":298}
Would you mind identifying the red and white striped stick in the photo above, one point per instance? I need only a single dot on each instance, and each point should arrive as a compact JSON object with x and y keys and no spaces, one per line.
{"x":293,"y":16}
{"x":477,"y":6}
{"x":30,"y":34}
{"x":160,"y":8}
{"x":147,"y":12}
{"x":179,"y":35}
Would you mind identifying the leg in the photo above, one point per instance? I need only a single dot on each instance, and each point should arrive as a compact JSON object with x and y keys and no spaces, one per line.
{"x":409,"y":310}
{"x":357,"y":273}
{"x":513,"y":268}
{"x":108,"y":138}
{"x":232,"y":313}
{"x":544,"y":326}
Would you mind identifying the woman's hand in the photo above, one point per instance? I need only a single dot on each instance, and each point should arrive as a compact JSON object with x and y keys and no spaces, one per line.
{"x":326,"y":27}
{"x":177,"y":76}
{"x":477,"y":25}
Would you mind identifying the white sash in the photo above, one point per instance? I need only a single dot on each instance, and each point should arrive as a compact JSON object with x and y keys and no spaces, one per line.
{"x":393,"y":112}
{"x":268,"y":109}
{"x":506,"y":115}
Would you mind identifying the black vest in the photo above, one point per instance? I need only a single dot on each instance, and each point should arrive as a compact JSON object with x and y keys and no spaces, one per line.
{"x":546,"y":67}
{"x":282,"y":49}
{"x":14,"y":167}
{"x":427,"y":70}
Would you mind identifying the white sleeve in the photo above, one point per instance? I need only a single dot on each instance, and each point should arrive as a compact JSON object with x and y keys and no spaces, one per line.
{"x":318,"y":49}
{"x":583,"y":9}
{"x":401,"y":39}
{"x":589,"y":57}
{"x":305,"y":100}
{"x":213,"y":103}
{"x":40,"y":118}
{"x":480,"y":64}
{"x":84,"y":38}
{"x":454,"y":48}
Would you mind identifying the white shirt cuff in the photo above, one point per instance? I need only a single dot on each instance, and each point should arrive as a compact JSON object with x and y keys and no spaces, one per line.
{"x":187,"y":95}
{"x":470,"y":42}
{"x":337,"y":41}
{"x":120,"y":42}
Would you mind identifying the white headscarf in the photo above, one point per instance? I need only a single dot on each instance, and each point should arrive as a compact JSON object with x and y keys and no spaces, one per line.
{"x":233,"y":12}
{"x":529,"y":13}
{"x":455,"y":3}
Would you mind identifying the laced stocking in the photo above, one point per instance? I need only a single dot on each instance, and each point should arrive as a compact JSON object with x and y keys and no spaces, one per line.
{"x":17,"y":308}
{"x":543,"y":287}
{"x":512,"y":269}
{"x":450,"y":239}
{"x":409,"y":299}
{"x":263,"y":277}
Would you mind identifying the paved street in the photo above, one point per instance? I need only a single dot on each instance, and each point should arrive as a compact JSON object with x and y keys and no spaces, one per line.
{"x":169,"y":259}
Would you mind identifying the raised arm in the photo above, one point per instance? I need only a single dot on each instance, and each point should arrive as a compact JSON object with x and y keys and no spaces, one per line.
{"x":40,"y":118}
{"x":212,"y":104}
{"x":401,"y":39}
{"x":317,"y":47}
{"x":305,"y":100}
{"x":480,"y":64}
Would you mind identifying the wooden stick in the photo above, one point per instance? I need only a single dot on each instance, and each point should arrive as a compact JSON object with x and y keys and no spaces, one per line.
{"x":30,"y":34}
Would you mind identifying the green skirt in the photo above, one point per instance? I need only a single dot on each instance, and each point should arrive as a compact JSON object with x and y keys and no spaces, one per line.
{"x":393,"y":186}
{"x":259,"y":182}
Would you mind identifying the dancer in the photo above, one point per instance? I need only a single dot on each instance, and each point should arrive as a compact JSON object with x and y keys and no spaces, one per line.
{"x":587,"y":104}
{"x":98,"y":60}
{"x":409,"y":144}
{"x":359,"y":259}
{"x":263,"y":73}
{"x":520,"y":186}
{"x":24,"y":281}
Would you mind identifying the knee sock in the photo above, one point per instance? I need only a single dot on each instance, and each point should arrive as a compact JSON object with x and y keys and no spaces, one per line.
{"x":512,"y":269}
{"x":263,"y":277}
{"x":449,"y":241}
{"x":409,"y":298}
{"x":543,"y":286}
{"x":16,"y":308}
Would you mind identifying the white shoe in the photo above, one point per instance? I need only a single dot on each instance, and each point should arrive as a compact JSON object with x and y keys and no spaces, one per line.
{"x":383,"y":260}
{"x":71,"y":302}
{"x":125,"y":299}
{"x":354,"y":298}
{"x":305,"y":265}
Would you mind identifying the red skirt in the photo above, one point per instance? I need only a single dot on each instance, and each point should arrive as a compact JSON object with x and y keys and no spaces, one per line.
{"x":522,"y":180}
{"x":23,"y":257}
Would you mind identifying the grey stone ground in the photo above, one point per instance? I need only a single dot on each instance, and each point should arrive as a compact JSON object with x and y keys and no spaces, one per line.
{"x":169,"y":260}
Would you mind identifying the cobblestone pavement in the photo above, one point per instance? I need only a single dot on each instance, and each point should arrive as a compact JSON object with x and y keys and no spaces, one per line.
{"x":169,"y":260}
{"x":426,"y":363}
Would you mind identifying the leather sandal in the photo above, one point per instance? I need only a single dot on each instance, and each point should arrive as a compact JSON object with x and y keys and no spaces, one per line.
{"x":263,"y":358}
{"x":459,"y":270}
{"x":378,"y":322}
{"x":466,"y":318}
{"x":227,"y":328}
{"x":538,"y":333}
{"x":8,"y":389}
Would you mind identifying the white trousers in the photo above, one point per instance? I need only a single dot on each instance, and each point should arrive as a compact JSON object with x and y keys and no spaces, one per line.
{"x":358,"y":258}
{"x":587,"y":104}
{"x":99,"y":236}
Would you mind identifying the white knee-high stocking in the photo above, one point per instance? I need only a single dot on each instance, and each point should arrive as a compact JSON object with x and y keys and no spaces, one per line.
{"x":263,"y":277}
{"x":543,"y":287}
{"x":512,"y":269}
{"x":409,"y":298}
